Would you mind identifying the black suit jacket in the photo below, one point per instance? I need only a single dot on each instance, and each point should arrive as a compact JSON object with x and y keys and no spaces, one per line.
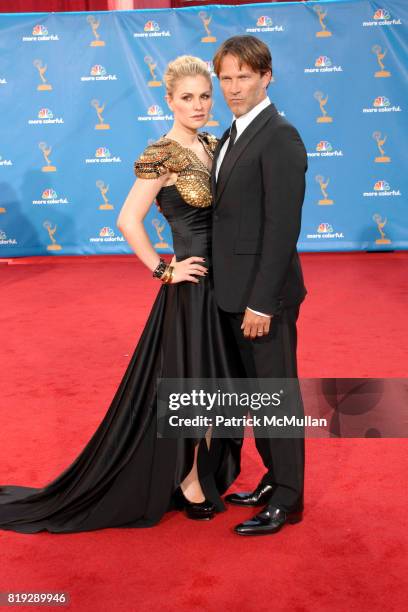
{"x":257,"y":215}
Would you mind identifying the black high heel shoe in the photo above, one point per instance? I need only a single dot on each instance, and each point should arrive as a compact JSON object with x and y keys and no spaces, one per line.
{"x":199,"y":511}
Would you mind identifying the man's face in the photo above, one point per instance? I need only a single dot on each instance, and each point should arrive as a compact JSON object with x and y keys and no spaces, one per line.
{"x":242,"y":87}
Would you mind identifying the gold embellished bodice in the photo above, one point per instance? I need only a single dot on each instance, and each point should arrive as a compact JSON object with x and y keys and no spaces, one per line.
{"x":193,"y":176}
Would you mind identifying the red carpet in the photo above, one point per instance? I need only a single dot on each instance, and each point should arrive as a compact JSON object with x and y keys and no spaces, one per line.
{"x":68,"y":327}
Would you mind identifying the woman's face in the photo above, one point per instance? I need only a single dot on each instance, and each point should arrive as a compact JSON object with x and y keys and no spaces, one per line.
{"x":191,"y":101}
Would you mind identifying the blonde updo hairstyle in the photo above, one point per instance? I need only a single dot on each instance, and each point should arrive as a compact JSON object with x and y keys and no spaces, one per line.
{"x":184,"y":66}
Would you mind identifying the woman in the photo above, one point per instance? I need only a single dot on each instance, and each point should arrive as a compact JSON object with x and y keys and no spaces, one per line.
{"x":126,"y":476}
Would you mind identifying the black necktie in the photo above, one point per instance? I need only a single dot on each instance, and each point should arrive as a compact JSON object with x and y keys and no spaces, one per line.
{"x":232,"y":137}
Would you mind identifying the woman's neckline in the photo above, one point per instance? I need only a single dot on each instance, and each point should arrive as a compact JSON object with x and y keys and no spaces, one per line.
{"x":199,"y":136}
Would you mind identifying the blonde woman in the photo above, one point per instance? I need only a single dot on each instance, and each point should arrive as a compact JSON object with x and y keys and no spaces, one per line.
{"x":126,"y":476}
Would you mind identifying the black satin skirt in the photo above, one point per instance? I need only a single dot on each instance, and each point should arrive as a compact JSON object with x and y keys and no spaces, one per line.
{"x":126,"y":476}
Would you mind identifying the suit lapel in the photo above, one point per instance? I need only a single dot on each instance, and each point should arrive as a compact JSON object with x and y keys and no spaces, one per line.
{"x":214,"y":164}
{"x":239,"y":147}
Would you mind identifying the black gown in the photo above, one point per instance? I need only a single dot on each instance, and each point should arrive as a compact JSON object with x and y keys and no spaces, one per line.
{"x":126,"y":476}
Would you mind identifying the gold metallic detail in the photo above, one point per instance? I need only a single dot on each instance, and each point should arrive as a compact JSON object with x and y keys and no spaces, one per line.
{"x":193,"y":176}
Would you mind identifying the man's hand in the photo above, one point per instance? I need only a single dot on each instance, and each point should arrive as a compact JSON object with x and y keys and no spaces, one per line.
{"x":255,"y":326}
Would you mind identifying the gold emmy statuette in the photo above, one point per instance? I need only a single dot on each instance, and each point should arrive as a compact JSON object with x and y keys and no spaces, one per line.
{"x":212,"y":122}
{"x":104,"y":190}
{"x":321,"y":13}
{"x":95,"y":23}
{"x":99,"y":110}
{"x":46,"y":150}
{"x":159,"y":227}
{"x":152,"y":67}
{"x":380,"y":224}
{"x":43,"y":86}
{"x":380,"y":140}
{"x":323,"y":186}
{"x":51,"y":231}
{"x":324,"y":118}
{"x":382,"y":73}
{"x":206,"y":22}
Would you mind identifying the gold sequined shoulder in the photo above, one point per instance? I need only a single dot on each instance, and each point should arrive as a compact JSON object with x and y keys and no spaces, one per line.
{"x":159,"y":158}
{"x":211,"y":140}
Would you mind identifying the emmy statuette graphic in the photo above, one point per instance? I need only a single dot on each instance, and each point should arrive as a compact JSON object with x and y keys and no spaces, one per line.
{"x":95,"y":23}
{"x":54,"y":246}
{"x":323,"y":186}
{"x":212,"y":122}
{"x":206,"y":22}
{"x":382,"y":73}
{"x":324,"y":118}
{"x":380,"y":225}
{"x":321,"y":13}
{"x":104,"y":190}
{"x":159,"y":227}
{"x":99,"y":110}
{"x":43,"y":86}
{"x":152,"y":68}
{"x":46,"y":151}
{"x":380,"y":140}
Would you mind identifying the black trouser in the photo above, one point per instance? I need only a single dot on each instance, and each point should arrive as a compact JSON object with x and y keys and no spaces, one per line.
{"x":274,"y":356}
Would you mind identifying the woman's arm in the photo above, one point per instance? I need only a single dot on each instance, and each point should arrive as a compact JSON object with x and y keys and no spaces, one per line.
{"x":134,"y":210}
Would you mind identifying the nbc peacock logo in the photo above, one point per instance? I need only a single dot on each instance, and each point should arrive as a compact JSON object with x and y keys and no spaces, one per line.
{"x":40,"y":30}
{"x":151,"y":26}
{"x":46,"y":116}
{"x":40,"y":33}
{"x":323,"y":64}
{"x":381,"y":14}
{"x":98,"y":70}
{"x":381,"y":17}
{"x":382,"y":188}
{"x":324,"y":148}
{"x":323,"y":61}
{"x":102,"y":152}
{"x":152,"y":30}
{"x":99,"y":73}
{"x":103,"y":156}
{"x":50,"y":196}
{"x":264,"y":23}
{"x":381,"y":101}
{"x":45,"y":113}
{"x":323,"y":228}
{"x":382,"y":104}
{"x":155,"y":111}
{"x":106,"y":234}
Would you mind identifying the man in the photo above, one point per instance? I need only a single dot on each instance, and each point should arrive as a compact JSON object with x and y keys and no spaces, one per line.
{"x":258,"y":188}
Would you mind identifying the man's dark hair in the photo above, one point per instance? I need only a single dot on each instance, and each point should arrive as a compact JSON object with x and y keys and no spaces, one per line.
{"x":248,"y":50}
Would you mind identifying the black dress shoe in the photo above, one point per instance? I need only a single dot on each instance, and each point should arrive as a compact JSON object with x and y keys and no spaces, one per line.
{"x":199,"y":511}
{"x":259,"y":497}
{"x":270,"y":520}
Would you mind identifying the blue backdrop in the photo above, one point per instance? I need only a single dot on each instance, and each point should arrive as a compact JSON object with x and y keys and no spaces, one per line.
{"x":81,"y":95}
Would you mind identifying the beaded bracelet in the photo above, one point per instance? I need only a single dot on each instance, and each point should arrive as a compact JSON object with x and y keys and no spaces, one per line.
{"x":160,"y":269}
